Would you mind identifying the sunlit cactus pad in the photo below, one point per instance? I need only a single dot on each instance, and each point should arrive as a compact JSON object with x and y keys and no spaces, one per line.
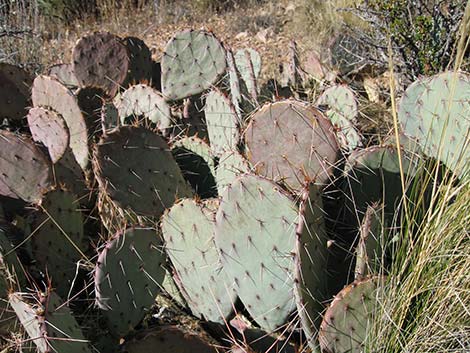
{"x":291,"y":142}
{"x":193,"y":61}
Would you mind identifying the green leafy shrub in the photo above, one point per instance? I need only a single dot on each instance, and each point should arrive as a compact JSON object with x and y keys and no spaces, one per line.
{"x":423,"y":32}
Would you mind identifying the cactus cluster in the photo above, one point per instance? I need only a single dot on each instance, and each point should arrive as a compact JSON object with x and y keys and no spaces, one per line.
{"x":107,"y":197}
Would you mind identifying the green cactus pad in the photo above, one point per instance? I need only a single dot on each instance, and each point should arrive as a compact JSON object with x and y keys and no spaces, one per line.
{"x":188,"y":229}
{"x":443,"y":131}
{"x":371,"y":244}
{"x":109,"y":117}
{"x":50,"y":93}
{"x":128,"y":277}
{"x":140,"y":61}
{"x":248,"y":63}
{"x":64,"y":74}
{"x":49,"y":323}
{"x":234,"y":82}
{"x":192,"y":63}
{"x":49,"y":128}
{"x":231,"y":165}
{"x":342,"y":112}
{"x":101,"y":60}
{"x":347,"y":321}
{"x":373,"y":175}
{"x":15,"y":86}
{"x":311,"y":269}
{"x":196,"y":162}
{"x":409,"y":106}
{"x":58,"y":242}
{"x":25,"y":170}
{"x":291,"y":142}
{"x":142,"y":100}
{"x":169,"y":339}
{"x":223,"y":125}
{"x":255,"y":233}
{"x":135,"y":167}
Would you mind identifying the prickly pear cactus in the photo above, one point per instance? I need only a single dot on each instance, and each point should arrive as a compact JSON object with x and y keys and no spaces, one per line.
{"x":49,"y":323}
{"x":373,"y":175}
{"x":248,"y":63}
{"x":128,"y":276}
{"x":49,"y":128}
{"x":311,"y":268}
{"x":342,"y":110}
{"x":372,"y":243}
{"x":231,"y":165}
{"x":58,"y":243}
{"x":439,"y":126}
{"x":188,"y":229}
{"x":140,"y":61}
{"x":234,"y":83}
{"x":26,"y":171}
{"x":64,"y":74}
{"x":291,"y":142}
{"x":350,"y":315}
{"x":101,"y":60}
{"x":255,"y":233}
{"x":15,"y":85}
{"x":109,"y":117}
{"x":50,"y":93}
{"x":142,"y":100}
{"x":223,"y":124}
{"x":135,"y":167}
{"x":192,"y":63}
{"x":197,"y":164}
{"x":169,"y":339}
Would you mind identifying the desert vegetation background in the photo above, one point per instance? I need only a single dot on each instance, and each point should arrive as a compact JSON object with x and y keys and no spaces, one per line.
{"x":378,"y":47}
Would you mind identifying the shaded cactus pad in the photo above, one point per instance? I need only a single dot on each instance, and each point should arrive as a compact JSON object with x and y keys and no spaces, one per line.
{"x":128,"y":276}
{"x":135,"y":167}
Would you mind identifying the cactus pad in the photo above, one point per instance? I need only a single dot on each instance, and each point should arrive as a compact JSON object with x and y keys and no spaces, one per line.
{"x":442,"y":127}
{"x":194,"y":157}
{"x":64,"y":74}
{"x":50,"y":93}
{"x":291,"y":142}
{"x":49,"y":323}
{"x":142,"y":100}
{"x":222,"y":123}
{"x":49,"y":128}
{"x":101,"y":60}
{"x":140,"y":61}
{"x":128,"y":277}
{"x":188,"y":229}
{"x":135,"y":167}
{"x":15,"y":85}
{"x":348,"y":318}
{"x":342,"y":112}
{"x":25,"y":170}
{"x":109,"y":117}
{"x":311,"y":269}
{"x":193,"y":61}
{"x":248,"y":63}
{"x":373,"y":175}
{"x":256,"y":233}
{"x":58,"y":242}
{"x":231,"y":165}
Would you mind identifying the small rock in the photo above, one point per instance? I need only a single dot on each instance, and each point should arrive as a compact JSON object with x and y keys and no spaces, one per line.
{"x":241,"y":35}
